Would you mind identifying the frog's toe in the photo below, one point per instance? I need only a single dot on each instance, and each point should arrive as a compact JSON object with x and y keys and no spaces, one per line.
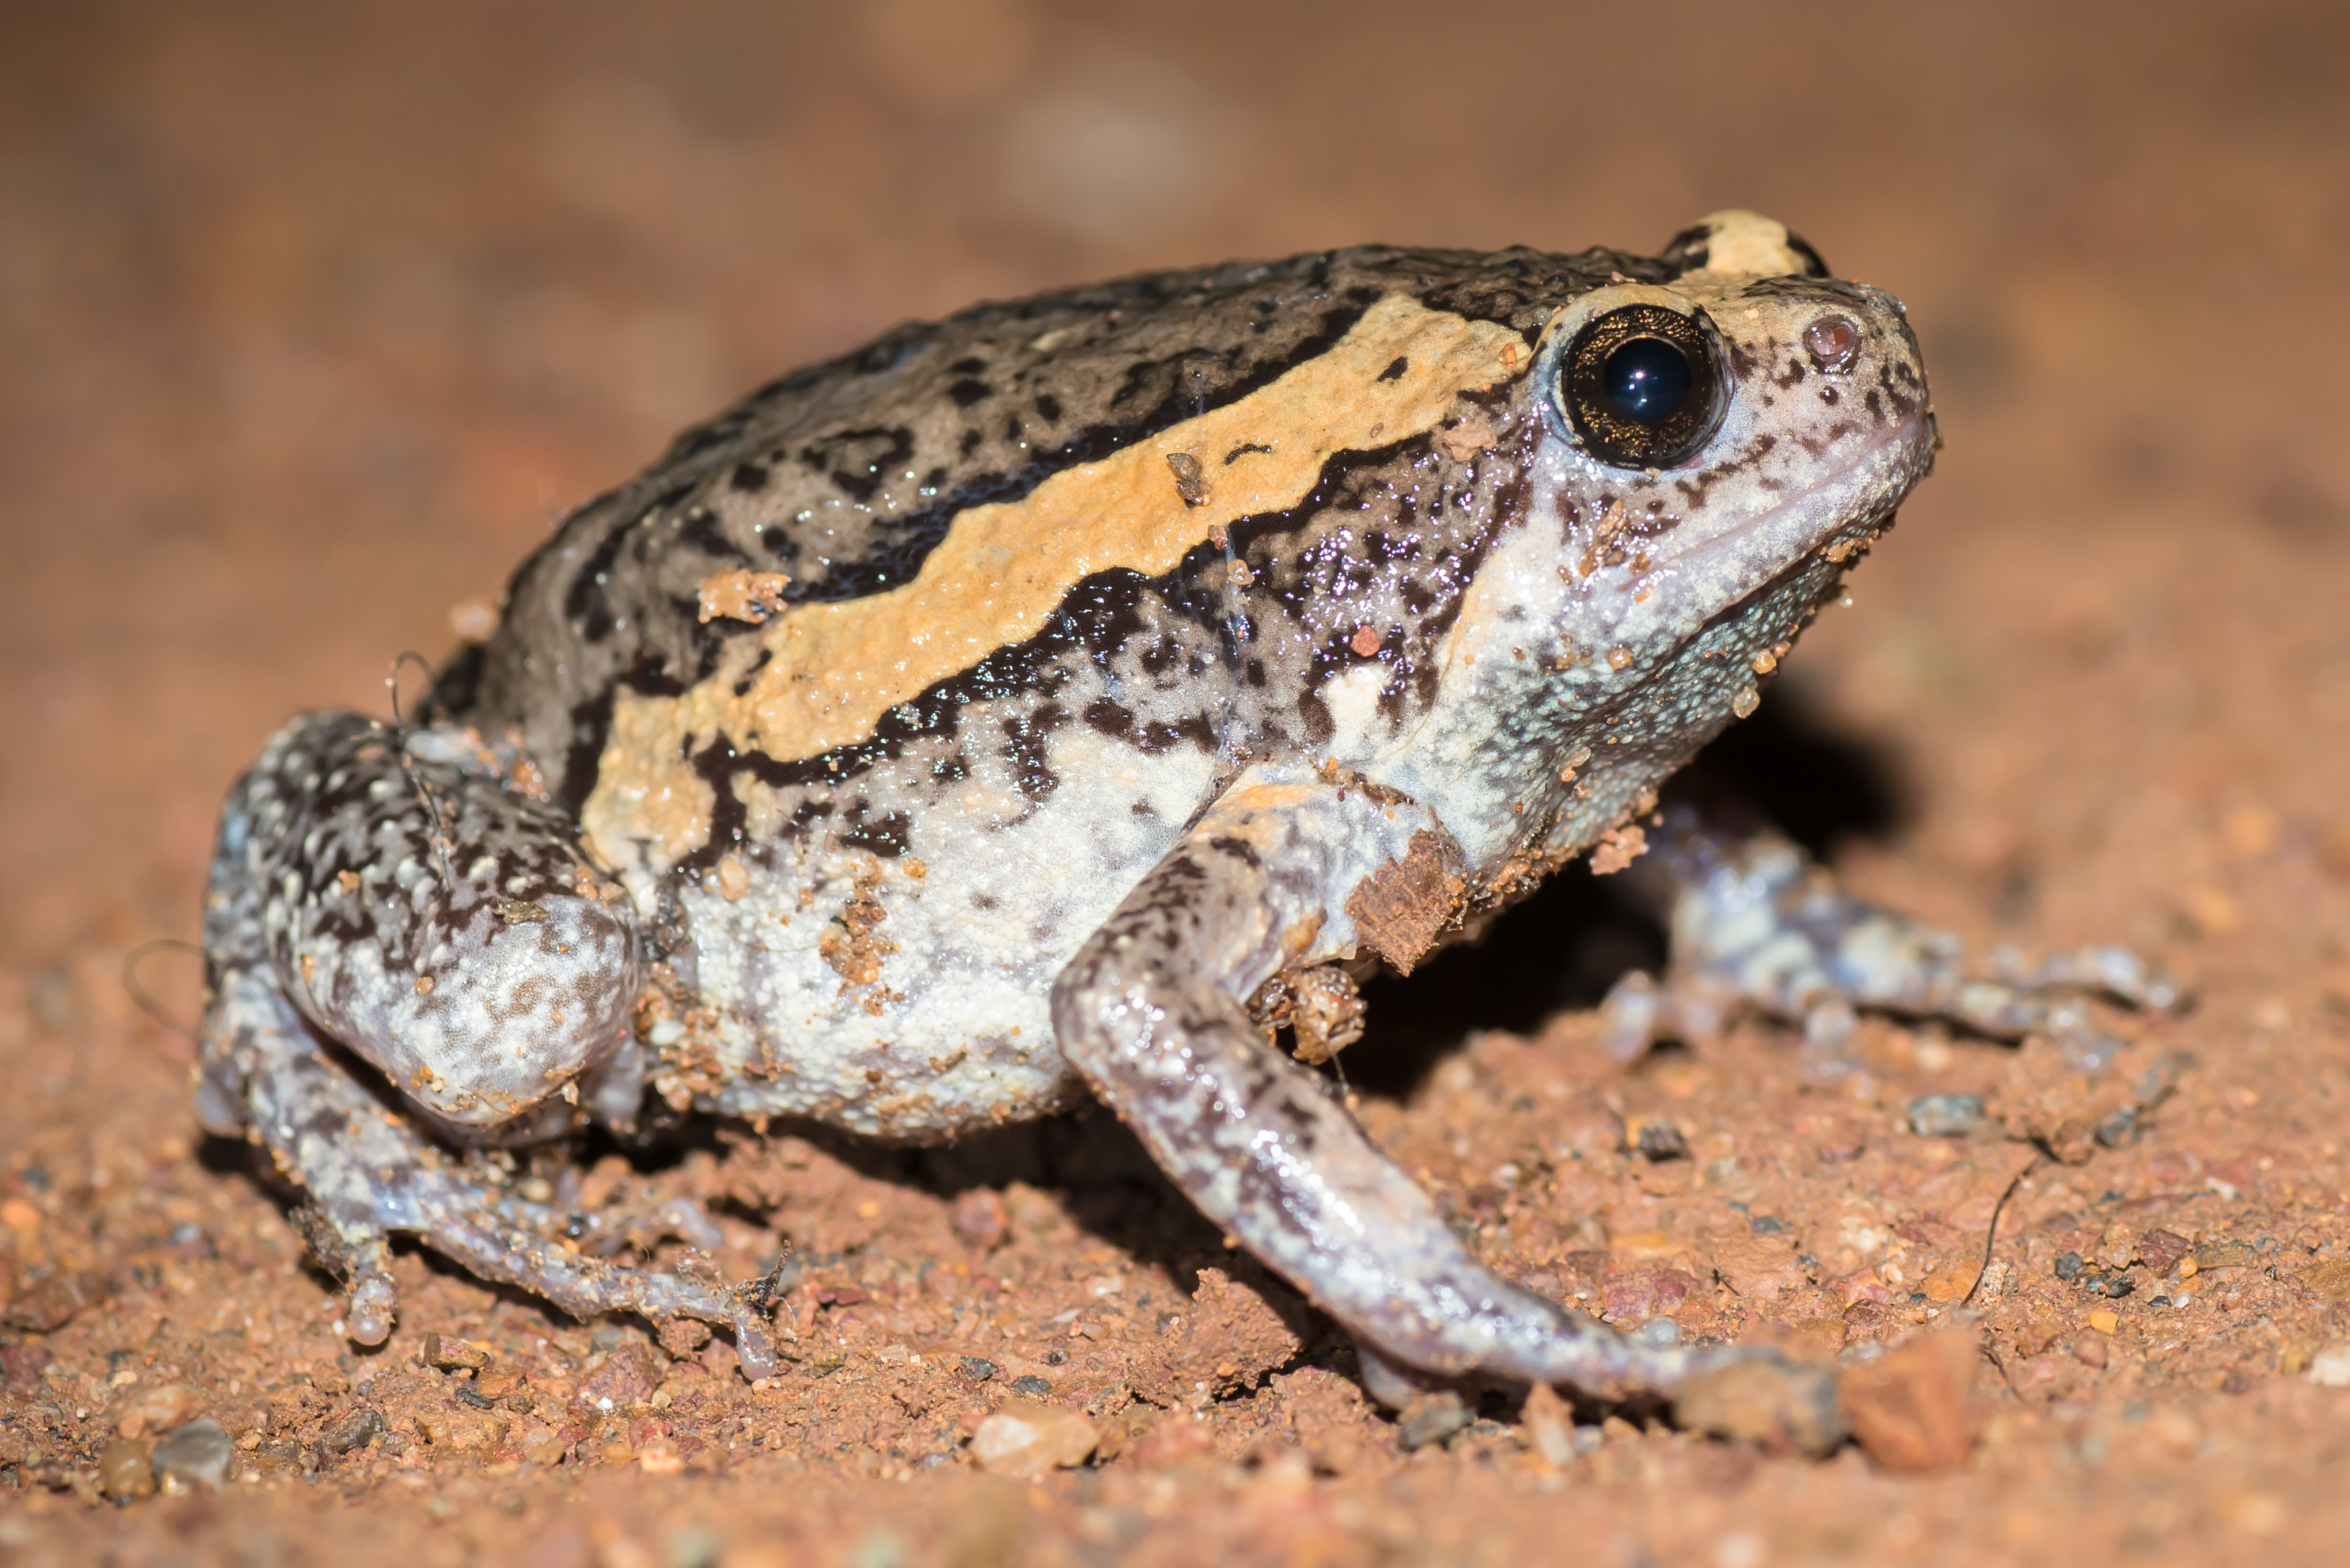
{"x":1754,"y":920}
{"x":369,"y":1175}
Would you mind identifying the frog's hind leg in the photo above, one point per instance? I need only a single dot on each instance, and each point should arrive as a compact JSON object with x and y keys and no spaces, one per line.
{"x":1755,"y":922}
{"x":1151,"y":1011}
{"x":404,"y":956}
{"x":367,"y":1173}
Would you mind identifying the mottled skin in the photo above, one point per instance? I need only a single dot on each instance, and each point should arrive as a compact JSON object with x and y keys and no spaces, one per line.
{"x":1460,"y":650}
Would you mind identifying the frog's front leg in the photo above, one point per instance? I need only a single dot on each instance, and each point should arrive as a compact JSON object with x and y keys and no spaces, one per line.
{"x":405,"y":958}
{"x":1755,"y":922}
{"x":1151,"y":1011}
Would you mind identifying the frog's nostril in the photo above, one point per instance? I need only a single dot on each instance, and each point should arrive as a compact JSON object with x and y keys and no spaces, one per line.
{"x":1834,"y":341}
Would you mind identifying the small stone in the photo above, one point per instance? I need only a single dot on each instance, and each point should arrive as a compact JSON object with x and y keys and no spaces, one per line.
{"x":542,"y":1446}
{"x":979,"y":1218}
{"x":626,"y":1375}
{"x":462,"y":1431}
{"x":1946,"y":1115}
{"x":2090,"y":1350}
{"x":1432,"y":1416}
{"x":1914,"y":1410}
{"x":499,"y":1384}
{"x":354,"y":1429}
{"x":124,"y":1471}
{"x":2104,"y":1321}
{"x":1034,"y":1387}
{"x":58,"y":1300}
{"x":978,"y":1368}
{"x":453,"y":1354}
{"x":156,"y":1407}
{"x":2067,"y":1267}
{"x":1662,"y":1140}
{"x":2162,"y":1249}
{"x":1026,"y":1440}
{"x":21,"y":1366}
{"x":2330,"y":1367}
{"x":1781,"y":1406}
{"x":274,"y":1458}
{"x":1550,"y":1426}
{"x":2117,"y":1249}
{"x":2225,"y":1253}
{"x":198,"y":1454}
{"x":1761,"y":1267}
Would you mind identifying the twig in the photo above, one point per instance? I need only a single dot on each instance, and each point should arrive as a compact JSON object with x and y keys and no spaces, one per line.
{"x":1991,"y":1235}
{"x":148,"y":1005}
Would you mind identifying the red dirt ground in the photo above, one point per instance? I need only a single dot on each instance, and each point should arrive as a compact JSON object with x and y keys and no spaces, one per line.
{"x":312,"y":318}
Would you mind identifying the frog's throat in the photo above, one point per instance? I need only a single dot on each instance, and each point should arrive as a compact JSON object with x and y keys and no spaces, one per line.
{"x":835,"y":669}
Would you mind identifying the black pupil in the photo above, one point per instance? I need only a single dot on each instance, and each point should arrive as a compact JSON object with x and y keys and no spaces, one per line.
{"x":1648,"y":380}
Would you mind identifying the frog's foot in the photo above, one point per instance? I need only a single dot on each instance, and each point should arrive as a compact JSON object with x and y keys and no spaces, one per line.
{"x":1755,"y":922}
{"x":1153,"y":1012}
{"x":368,"y":1173}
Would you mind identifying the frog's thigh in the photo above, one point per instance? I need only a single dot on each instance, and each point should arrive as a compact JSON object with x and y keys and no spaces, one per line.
{"x":1150,"y":1011}
{"x":442,"y":926}
{"x":368,"y":1172}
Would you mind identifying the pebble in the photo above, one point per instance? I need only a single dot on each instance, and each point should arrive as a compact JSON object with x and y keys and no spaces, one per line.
{"x":1431,"y":1417}
{"x":1914,"y":1410}
{"x":979,"y":1218}
{"x":1946,"y":1115}
{"x":354,"y":1429}
{"x":1662,"y":1140}
{"x":124,"y":1471}
{"x":1550,"y":1426}
{"x":58,"y":1300}
{"x":452,"y":1354}
{"x":1026,"y":1440}
{"x":2330,"y":1367}
{"x":197,"y":1454}
{"x":157,"y":1408}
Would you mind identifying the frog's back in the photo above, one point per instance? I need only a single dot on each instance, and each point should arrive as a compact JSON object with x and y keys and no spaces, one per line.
{"x":845,"y":475}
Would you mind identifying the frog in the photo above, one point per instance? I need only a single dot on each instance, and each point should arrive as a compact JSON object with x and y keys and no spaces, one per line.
{"x":1046,"y":705}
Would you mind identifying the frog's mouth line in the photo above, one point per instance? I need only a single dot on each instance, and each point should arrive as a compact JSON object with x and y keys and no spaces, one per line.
{"x":1727,"y":569}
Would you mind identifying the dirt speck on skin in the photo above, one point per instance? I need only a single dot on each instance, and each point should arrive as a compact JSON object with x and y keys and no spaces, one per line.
{"x":314,"y":318}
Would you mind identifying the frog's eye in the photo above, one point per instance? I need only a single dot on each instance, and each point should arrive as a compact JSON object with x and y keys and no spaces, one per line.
{"x":1642,"y":386}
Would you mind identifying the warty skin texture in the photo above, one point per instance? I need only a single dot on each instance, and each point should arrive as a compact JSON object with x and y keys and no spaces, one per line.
{"x":1295,"y":625}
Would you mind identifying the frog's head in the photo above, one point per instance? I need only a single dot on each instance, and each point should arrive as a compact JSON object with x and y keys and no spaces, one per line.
{"x":1707,"y":436}
{"x":1706,"y":453}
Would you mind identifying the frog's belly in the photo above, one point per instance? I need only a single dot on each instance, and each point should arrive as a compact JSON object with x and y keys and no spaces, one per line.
{"x":935,"y":1018}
